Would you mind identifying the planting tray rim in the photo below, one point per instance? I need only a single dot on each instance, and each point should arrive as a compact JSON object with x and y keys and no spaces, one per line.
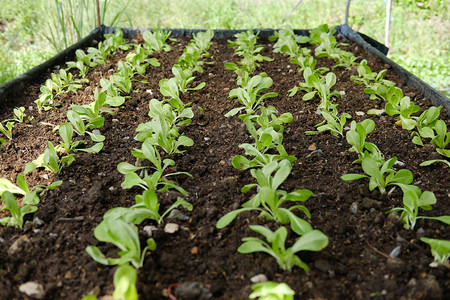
{"x":371,"y":46}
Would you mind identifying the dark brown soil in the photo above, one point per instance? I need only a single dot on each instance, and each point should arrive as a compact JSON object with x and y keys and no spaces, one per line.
{"x":356,"y":263}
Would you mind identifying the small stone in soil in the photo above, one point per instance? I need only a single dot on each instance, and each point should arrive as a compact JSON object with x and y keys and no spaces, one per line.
{"x":171,"y":228}
{"x":259,"y":278}
{"x":32,"y":289}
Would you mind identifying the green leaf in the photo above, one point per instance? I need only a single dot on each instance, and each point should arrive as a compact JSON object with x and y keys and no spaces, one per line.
{"x":6,"y":185}
{"x":97,"y":255}
{"x":229,"y":217}
{"x":298,"y":225}
{"x":125,"y":168}
{"x":94,"y":149}
{"x":314,"y":240}
{"x":349,"y":177}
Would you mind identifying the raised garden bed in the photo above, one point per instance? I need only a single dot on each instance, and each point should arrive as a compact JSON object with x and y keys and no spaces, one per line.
{"x":358,"y":262}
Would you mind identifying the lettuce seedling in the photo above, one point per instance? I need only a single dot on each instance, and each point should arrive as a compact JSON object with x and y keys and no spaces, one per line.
{"x":441,"y":138}
{"x":250,"y":95}
{"x":269,"y":290}
{"x":242,"y":75}
{"x":313,"y":240}
{"x":305,"y":60}
{"x":155,"y":40}
{"x":81,"y":129}
{"x":334,"y":124}
{"x":202,"y":41}
{"x":124,"y":236}
{"x":260,"y":159}
{"x":440,"y":249}
{"x":190,"y":59}
{"x":425,"y":124}
{"x":286,"y":42}
{"x":19,"y":113}
{"x":183,"y":77}
{"x":50,"y":160}
{"x":369,"y":78}
{"x":140,"y":61}
{"x":270,"y":198}
{"x":7,"y":131}
{"x":357,"y":136}
{"x":329,"y":48}
{"x":66,"y":133}
{"x":413,"y":199}
{"x":125,"y":279}
{"x":376,"y":174}
{"x":17,"y":214}
{"x":316,"y":33}
{"x":113,"y":97}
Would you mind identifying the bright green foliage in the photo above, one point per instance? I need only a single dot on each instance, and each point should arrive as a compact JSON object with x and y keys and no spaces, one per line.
{"x":329,"y":48}
{"x":125,"y":279}
{"x":413,"y":199}
{"x":7,"y":131}
{"x":269,"y":290}
{"x":183,"y":77}
{"x":315,"y":36}
{"x":320,"y":85}
{"x":156,"y":41}
{"x":425,"y":124}
{"x":66,"y":133}
{"x":157,"y":180}
{"x":287,"y":42}
{"x":250,"y":96}
{"x":124,"y":236}
{"x":113,"y":96}
{"x":313,"y":240}
{"x":19,"y":114}
{"x":441,"y":138}
{"x":50,"y":161}
{"x":357,"y":136}
{"x":369,"y":78}
{"x":202,"y":41}
{"x":333,"y":123}
{"x":269,"y":198}
{"x":17,"y":214}
{"x":246,"y":47}
{"x":377,"y":176}
{"x":140,"y":61}
{"x":260,"y":159}
{"x":440,"y":249}
{"x":305,"y":60}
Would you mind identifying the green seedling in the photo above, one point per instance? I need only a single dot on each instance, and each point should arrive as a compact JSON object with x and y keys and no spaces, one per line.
{"x":313,"y":240}
{"x":202,"y":40}
{"x":190,"y":59}
{"x":315,"y":36}
{"x":83,"y":69}
{"x":81,"y":129}
{"x":357,"y":136}
{"x":7,"y":131}
{"x":17,"y":214}
{"x":259,"y":159}
{"x":155,"y":40}
{"x":434,"y":161}
{"x":2,"y":141}
{"x":413,"y":199}
{"x":242,"y":75}
{"x":183,"y":77}
{"x":19,"y":113}
{"x":286,"y":42}
{"x":69,"y":146}
{"x":269,"y":198}
{"x":329,"y":48}
{"x":124,"y":236}
{"x":425,"y":124}
{"x":441,"y":138}
{"x":125,"y":279}
{"x":157,"y":180}
{"x":305,"y":60}
{"x":440,"y":249}
{"x":377,"y":177}
{"x":113,"y":97}
{"x":269,"y":290}
{"x":146,"y":208}
{"x":91,"y":114}
{"x":369,"y":78}
{"x":320,"y":85}
{"x":333,"y":123}
{"x":140,"y":61}
{"x":50,"y":161}
{"x":175,"y":112}
{"x":250,"y":95}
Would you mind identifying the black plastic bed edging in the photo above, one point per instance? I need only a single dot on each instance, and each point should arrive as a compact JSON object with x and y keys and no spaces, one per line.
{"x":371,"y":46}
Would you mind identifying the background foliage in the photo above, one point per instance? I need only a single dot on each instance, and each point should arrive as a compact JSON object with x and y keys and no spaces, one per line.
{"x":34,"y":30}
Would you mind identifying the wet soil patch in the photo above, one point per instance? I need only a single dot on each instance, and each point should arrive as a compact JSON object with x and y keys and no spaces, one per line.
{"x":355,"y":265}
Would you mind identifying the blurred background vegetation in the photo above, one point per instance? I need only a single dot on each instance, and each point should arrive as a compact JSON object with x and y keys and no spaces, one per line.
{"x":31,"y":31}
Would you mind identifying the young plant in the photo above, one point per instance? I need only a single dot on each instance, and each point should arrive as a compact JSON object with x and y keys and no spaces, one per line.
{"x":413,"y":199}
{"x":19,"y":113}
{"x":124,"y":236}
{"x":357,"y":136}
{"x":260,"y":159}
{"x":7,"y":131}
{"x":441,"y":138}
{"x":377,"y":177}
{"x":269,"y":198}
{"x":183,"y":77}
{"x":202,"y":41}
{"x":313,"y":240}
{"x":333,"y":123}
{"x":50,"y":161}
{"x":305,"y":60}
{"x":440,"y":249}
{"x":155,"y":40}
{"x":250,"y":95}
{"x":17,"y":214}
{"x":140,"y":61}
{"x":269,"y":290}
{"x":369,"y":78}
{"x":69,"y":146}
{"x":81,"y":129}
{"x":425,"y":124}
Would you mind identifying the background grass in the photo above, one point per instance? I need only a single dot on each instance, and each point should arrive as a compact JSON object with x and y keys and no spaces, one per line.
{"x":420,"y":30}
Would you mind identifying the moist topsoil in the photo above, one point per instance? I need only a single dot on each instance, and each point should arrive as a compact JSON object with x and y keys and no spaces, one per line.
{"x":200,"y":259}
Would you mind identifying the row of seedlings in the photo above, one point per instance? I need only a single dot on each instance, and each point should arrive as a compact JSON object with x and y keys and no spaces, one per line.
{"x":377,"y":169}
{"x":269,"y":170}
{"x":62,"y":155}
{"x":119,"y":225}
